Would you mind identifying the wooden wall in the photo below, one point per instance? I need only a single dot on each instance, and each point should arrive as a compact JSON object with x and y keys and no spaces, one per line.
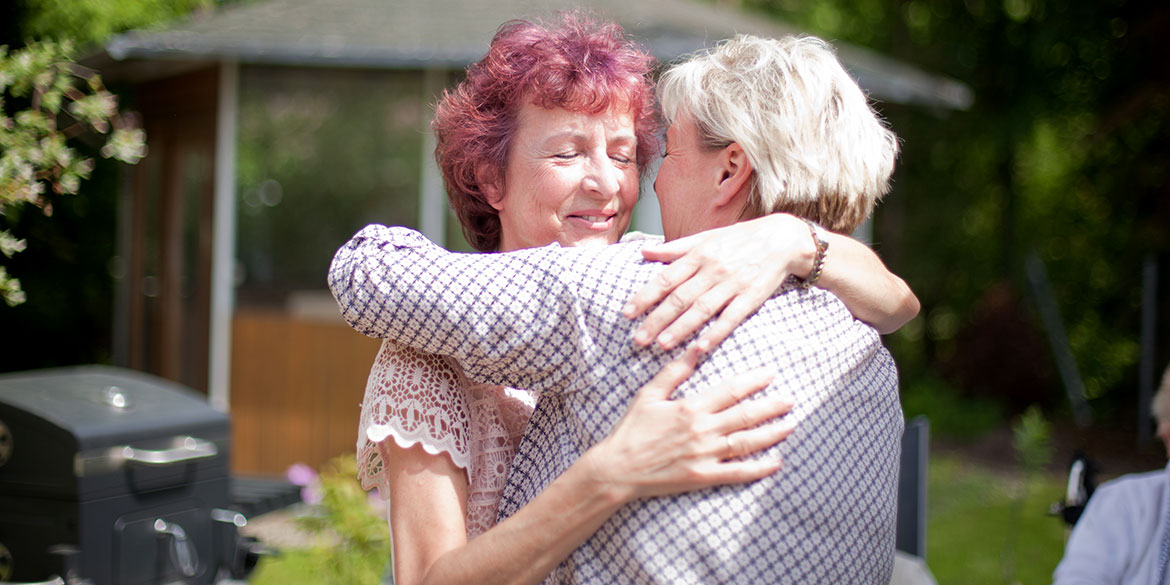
{"x":296,"y":389}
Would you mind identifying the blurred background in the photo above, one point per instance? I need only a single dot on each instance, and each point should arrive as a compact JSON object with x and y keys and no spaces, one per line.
{"x":1030,"y":213}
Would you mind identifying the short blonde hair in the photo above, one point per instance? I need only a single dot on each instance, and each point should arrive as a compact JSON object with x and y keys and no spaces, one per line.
{"x":818,"y":150}
{"x":1160,"y":405}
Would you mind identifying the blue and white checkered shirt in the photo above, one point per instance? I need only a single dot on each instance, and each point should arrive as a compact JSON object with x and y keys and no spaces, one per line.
{"x":548,"y":319}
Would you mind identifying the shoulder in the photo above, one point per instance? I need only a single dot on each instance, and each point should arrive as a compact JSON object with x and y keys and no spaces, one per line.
{"x":636,"y":236}
{"x":620,"y":261}
{"x":1132,"y":485}
{"x":396,"y":235}
{"x":817,"y":312}
{"x":1133,"y":499}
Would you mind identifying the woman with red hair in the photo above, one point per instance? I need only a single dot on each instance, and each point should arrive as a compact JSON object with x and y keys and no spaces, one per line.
{"x":545,"y":142}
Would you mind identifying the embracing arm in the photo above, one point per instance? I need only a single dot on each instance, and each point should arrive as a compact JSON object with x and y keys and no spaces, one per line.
{"x":861,"y":280}
{"x":729,"y":272}
{"x":392,"y":283}
{"x":660,"y":447}
{"x":430,"y":541}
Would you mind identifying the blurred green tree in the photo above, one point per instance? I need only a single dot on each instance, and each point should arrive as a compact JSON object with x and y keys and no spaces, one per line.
{"x":1062,"y":155}
{"x":94,"y":21}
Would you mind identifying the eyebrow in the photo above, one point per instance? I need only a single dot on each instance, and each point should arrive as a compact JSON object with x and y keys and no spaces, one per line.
{"x":625,"y":137}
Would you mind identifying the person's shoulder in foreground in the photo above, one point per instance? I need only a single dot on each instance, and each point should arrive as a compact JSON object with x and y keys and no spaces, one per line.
{"x":1121,"y":536}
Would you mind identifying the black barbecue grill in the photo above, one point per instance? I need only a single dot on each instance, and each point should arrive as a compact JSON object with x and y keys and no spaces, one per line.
{"x":114,"y":477}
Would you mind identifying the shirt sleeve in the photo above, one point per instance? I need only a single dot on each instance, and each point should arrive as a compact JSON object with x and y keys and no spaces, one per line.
{"x":508,"y":319}
{"x":1101,"y":546}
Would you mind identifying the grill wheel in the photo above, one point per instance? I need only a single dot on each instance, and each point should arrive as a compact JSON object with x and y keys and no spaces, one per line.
{"x":5,"y":563}
{"x":5,"y":447}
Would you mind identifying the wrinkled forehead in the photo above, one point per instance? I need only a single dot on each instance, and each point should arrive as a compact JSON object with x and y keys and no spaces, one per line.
{"x":619,"y":119}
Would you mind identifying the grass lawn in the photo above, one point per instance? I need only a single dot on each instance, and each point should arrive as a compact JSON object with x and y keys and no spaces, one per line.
{"x":970,"y":525}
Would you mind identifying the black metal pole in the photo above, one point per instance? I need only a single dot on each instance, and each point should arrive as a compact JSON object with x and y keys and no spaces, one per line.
{"x":1066,"y":364}
{"x":1146,"y":366}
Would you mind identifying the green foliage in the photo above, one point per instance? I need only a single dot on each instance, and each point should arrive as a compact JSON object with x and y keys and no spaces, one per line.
{"x":951,"y":415}
{"x":1032,"y":440}
{"x":35,"y":150}
{"x":290,"y":567}
{"x":359,"y":539}
{"x":1062,"y":154}
{"x":95,"y":20}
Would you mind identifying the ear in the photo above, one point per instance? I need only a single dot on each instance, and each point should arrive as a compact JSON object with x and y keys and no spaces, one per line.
{"x":735,"y":170}
{"x":491,"y":184}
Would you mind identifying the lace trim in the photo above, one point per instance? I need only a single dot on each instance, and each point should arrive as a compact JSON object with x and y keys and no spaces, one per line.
{"x":416,"y":399}
{"x":420,"y":399}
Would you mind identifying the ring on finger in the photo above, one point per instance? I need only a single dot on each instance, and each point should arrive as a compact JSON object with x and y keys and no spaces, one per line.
{"x":730,"y":447}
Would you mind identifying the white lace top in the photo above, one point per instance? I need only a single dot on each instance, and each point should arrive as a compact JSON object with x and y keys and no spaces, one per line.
{"x":417,"y":398}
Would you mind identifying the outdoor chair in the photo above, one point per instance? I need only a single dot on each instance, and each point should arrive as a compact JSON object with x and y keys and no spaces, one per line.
{"x":911,"y":531}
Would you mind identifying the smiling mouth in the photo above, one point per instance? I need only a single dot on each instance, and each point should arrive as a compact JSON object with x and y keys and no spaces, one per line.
{"x":593,"y":218}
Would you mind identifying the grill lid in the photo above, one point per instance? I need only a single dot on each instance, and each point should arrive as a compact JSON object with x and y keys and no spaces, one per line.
{"x":102,"y":406}
{"x":93,"y":430}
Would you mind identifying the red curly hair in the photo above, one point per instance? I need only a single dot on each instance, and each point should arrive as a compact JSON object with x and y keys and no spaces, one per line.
{"x":576,"y":64}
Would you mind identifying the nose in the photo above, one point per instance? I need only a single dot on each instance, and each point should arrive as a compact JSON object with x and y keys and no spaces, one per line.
{"x":602,"y":177}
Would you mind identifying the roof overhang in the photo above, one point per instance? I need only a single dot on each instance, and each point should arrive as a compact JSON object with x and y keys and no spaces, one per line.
{"x":454,"y":33}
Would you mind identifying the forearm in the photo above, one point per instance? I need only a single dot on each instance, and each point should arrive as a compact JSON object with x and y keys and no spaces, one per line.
{"x":392,"y":283}
{"x":872,"y":293}
{"x":526,"y":547}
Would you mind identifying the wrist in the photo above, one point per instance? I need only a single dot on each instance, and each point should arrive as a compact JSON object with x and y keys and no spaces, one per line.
{"x":801,"y":249}
{"x":602,"y":479}
{"x":821,"y":244}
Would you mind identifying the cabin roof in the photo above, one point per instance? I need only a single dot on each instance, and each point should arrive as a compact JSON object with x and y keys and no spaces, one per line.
{"x":454,"y":33}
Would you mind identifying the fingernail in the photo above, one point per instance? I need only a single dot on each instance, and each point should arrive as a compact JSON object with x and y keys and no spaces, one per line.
{"x":641,"y":337}
{"x":705,"y":345}
{"x":628,"y":310}
{"x":666,"y":340}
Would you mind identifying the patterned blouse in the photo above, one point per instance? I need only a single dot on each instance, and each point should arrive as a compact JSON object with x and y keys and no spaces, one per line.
{"x":549,"y":319}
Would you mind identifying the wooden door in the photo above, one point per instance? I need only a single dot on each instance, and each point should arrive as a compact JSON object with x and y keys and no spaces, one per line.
{"x":171,"y":221}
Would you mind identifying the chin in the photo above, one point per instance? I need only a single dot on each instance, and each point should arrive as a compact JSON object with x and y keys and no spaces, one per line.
{"x":590,"y":240}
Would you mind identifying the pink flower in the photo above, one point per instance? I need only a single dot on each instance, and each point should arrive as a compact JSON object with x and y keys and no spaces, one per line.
{"x":300,"y":474}
{"x":304,"y":476}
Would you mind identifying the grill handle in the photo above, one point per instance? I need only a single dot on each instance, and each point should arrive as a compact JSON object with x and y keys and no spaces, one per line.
{"x":190,"y":449}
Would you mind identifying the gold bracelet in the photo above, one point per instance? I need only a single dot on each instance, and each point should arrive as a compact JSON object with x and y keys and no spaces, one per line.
{"x":822,"y":247}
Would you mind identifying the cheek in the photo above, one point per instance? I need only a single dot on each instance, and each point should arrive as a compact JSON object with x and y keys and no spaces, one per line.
{"x":662,"y":180}
{"x":629,"y":188}
{"x":551,"y":189}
